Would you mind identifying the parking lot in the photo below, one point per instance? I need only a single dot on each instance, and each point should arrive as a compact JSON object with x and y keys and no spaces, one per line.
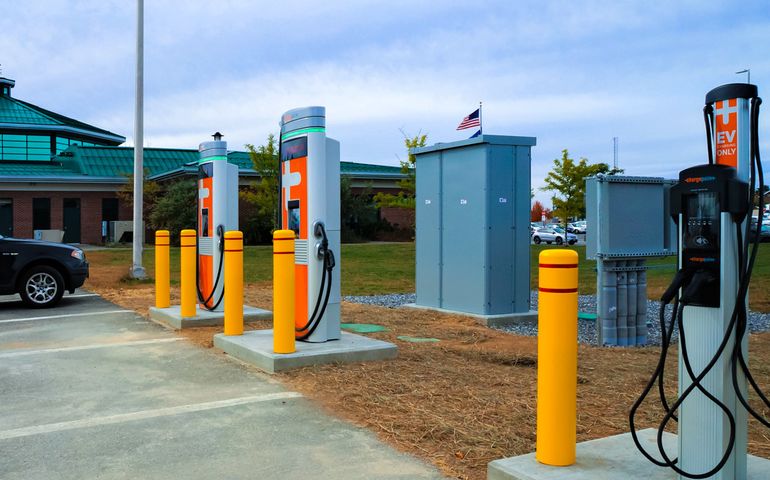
{"x":90,"y":390}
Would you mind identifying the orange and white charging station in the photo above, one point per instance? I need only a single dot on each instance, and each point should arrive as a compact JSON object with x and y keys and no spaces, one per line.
{"x":310,"y":206}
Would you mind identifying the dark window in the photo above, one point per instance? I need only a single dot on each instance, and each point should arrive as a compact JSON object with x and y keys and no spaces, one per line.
{"x":41,"y":213}
{"x":109,"y":209}
{"x":6,"y":217}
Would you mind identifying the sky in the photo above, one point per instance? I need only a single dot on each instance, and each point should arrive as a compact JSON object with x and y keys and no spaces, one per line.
{"x":574,"y":74}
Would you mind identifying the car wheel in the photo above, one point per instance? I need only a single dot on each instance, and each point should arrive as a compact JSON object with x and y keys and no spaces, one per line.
{"x":548,"y":242}
{"x":41,"y":287}
{"x":559,"y":240}
{"x":572,"y":242}
{"x":536,"y":240}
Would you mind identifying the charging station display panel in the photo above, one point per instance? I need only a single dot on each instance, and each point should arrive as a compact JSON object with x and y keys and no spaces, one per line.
{"x":206,"y":199}
{"x":702,"y":223}
{"x":294,"y":190}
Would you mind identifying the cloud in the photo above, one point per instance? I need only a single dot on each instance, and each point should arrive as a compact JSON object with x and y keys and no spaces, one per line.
{"x":574,"y":74}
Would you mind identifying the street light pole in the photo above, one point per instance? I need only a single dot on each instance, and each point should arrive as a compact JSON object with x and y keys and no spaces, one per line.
{"x":137,"y":270}
{"x":747,"y":71}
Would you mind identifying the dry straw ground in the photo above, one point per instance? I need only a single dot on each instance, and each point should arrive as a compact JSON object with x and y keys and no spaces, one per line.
{"x":467,"y":399}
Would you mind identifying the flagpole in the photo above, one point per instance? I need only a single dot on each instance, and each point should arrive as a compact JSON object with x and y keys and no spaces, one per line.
{"x":481,"y":125}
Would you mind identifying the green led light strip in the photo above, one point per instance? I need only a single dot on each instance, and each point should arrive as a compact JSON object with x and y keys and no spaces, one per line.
{"x":302,"y":131}
{"x":212,"y":158}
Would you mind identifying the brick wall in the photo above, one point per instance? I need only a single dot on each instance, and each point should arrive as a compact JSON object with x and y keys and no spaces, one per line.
{"x":398,"y":217}
{"x":90,"y":212}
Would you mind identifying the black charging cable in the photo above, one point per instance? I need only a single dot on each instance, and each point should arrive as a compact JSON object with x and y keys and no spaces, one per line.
{"x":749,"y":259}
{"x":204,"y":302}
{"x":325,"y":288}
{"x":738,"y":322}
{"x":708,"y":117}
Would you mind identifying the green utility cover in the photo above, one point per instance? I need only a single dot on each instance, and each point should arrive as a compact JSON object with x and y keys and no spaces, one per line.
{"x":407,"y":338}
{"x":586,"y":316}
{"x":363,"y":327}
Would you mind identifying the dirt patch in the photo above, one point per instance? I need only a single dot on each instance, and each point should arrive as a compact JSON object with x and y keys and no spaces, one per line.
{"x":470,"y":398}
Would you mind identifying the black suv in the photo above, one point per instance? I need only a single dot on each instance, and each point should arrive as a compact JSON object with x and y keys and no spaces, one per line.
{"x":40,"y":271}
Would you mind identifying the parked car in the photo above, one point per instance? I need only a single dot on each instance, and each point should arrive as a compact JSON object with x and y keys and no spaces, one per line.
{"x":577,"y":227}
{"x":40,"y":272}
{"x":764,"y":234}
{"x":555,"y":235}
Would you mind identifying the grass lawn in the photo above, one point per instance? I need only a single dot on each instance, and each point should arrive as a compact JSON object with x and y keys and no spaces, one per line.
{"x":376,"y":268}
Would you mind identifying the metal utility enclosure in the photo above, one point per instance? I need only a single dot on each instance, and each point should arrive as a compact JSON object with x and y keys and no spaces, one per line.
{"x":628,"y":221}
{"x":472,"y":234}
{"x":628,"y":217}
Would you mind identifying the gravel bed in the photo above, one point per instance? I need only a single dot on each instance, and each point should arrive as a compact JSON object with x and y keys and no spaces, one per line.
{"x":758,"y":322}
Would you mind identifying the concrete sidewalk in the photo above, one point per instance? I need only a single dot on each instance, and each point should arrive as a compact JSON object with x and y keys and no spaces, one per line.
{"x":88,"y":390}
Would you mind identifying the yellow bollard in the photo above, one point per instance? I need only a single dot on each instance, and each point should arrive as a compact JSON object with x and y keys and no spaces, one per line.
{"x":557,"y":357}
{"x":283,"y":291}
{"x":187,"y":281}
{"x":162,"y":270}
{"x":233,"y":283}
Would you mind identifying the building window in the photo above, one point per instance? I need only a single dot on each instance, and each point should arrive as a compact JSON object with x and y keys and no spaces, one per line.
{"x":63,"y":143}
{"x":6,"y":217}
{"x":25,"y":147}
{"x":41,"y":214}
{"x":109,"y":209}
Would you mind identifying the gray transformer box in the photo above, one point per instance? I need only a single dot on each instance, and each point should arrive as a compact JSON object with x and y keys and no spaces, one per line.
{"x":628,"y":217}
{"x":472,"y":216}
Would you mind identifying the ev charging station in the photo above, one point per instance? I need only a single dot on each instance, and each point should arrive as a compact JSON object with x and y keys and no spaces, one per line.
{"x":217,"y":214}
{"x":310,"y":206}
{"x":309,"y":183}
{"x":712,"y":205}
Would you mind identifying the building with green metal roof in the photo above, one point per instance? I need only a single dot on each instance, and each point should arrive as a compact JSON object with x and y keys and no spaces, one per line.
{"x":58,"y":173}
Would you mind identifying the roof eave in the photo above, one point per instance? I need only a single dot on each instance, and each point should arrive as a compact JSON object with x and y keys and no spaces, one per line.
{"x":63,"y":178}
{"x":64,"y":128}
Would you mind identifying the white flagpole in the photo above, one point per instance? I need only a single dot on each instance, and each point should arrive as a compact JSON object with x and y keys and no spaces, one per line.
{"x":137,"y":270}
{"x":481,"y":128}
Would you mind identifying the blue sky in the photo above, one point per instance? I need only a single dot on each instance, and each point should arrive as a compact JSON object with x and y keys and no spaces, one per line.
{"x":573,"y":74}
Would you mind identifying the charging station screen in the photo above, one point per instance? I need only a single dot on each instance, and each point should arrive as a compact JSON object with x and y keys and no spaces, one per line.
{"x":294,"y":148}
{"x":294,"y":217}
{"x":702,"y":220}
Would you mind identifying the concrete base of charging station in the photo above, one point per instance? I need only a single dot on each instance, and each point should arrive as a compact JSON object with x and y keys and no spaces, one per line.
{"x":256,"y":347}
{"x":172,"y":316}
{"x":607,"y":458}
{"x":498,"y":320}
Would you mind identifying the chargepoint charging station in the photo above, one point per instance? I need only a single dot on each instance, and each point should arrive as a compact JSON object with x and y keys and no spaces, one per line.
{"x":712,"y":205}
{"x":310,"y":206}
{"x":309,"y":182}
{"x":217,"y":214}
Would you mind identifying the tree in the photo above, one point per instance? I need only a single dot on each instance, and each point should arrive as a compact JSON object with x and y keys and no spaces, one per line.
{"x":537,"y":212}
{"x":151,"y":191}
{"x":567,"y":179}
{"x":358,"y":213}
{"x":404,"y":198}
{"x":263,"y":194}
{"x":173,"y":210}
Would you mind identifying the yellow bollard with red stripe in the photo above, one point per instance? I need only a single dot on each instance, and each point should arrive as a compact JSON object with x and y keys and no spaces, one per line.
{"x":162,"y":270}
{"x":187,"y":281}
{"x":557,"y":357}
{"x":233,"y":283}
{"x":283,"y":292}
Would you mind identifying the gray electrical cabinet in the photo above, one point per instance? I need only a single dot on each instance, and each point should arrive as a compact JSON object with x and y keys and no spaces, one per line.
{"x":628,"y":220}
{"x":472,"y":217}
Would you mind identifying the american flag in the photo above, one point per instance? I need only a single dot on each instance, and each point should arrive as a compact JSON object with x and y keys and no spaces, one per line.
{"x":470,"y":121}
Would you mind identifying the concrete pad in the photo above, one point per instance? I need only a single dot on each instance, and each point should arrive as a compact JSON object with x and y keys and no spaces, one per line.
{"x":256,"y":347}
{"x":497,"y":320}
{"x":607,"y":458}
{"x":172,"y":316}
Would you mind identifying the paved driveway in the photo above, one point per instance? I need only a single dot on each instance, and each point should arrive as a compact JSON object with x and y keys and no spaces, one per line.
{"x":90,"y":390}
